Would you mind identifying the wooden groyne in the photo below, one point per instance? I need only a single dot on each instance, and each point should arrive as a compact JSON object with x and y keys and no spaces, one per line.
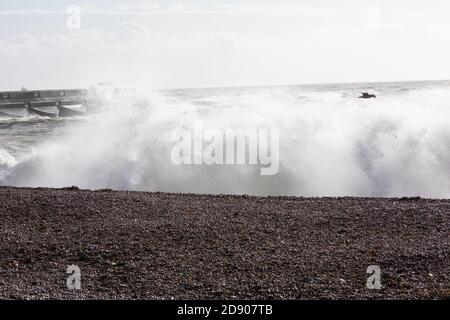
{"x":49,"y":103}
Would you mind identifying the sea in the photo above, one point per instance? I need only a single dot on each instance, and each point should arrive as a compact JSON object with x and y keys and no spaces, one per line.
{"x":331,"y":143}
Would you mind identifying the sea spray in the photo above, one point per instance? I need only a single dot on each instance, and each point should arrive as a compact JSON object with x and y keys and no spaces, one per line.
{"x":331,"y":143}
{"x":7,"y":161}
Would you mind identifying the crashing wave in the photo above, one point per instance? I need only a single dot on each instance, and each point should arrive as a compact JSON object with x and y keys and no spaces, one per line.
{"x":331,"y":144}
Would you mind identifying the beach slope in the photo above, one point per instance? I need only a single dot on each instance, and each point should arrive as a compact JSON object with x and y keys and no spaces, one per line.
{"x":162,"y":246}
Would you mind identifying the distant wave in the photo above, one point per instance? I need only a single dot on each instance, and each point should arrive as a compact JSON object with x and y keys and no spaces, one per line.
{"x":332,"y":144}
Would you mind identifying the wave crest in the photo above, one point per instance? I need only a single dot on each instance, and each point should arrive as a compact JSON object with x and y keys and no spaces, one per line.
{"x":331,"y":144}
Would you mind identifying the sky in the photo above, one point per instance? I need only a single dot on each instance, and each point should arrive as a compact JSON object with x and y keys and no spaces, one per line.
{"x":213,"y":43}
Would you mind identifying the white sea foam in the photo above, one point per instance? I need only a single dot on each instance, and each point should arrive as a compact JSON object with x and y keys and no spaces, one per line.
{"x":331,"y":143}
{"x":7,"y":161}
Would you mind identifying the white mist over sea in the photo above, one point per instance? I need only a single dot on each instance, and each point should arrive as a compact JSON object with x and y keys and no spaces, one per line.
{"x":331,"y":142}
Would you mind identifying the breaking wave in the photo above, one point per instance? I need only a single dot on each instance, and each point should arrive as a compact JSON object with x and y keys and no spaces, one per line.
{"x":331,"y":144}
{"x":7,"y":161}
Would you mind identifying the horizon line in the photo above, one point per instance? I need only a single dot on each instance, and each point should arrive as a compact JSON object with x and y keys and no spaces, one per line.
{"x":241,"y":86}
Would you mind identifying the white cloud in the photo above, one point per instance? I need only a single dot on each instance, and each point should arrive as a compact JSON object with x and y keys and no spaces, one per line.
{"x":203,"y":44}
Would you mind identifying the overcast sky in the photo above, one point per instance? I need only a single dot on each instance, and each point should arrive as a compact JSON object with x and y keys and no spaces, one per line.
{"x":209,"y":43}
